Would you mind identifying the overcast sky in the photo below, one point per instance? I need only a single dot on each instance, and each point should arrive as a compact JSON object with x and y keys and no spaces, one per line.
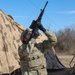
{"x":59,"y":14}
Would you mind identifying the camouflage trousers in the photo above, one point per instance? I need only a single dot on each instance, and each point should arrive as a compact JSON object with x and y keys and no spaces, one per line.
{"x":39,"y":72}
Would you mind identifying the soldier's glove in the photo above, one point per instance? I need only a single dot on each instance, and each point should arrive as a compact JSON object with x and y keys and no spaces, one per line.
{"x":40,"y":26}
{"x":35,"y":33}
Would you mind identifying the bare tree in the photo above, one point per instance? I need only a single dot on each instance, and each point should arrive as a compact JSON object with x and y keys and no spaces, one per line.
{"x":66,"y":40}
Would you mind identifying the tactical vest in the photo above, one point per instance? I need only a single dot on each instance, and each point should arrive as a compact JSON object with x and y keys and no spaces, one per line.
{"x":33,"y":57}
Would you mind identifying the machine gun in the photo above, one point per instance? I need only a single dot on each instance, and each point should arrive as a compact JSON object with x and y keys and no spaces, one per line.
{"x":34,"y":24}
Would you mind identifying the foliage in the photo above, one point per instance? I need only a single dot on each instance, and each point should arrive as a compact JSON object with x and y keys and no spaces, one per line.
{"x":66,"y":40}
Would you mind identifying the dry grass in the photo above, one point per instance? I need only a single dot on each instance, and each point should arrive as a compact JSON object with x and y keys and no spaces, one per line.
{"x":66,"y":59}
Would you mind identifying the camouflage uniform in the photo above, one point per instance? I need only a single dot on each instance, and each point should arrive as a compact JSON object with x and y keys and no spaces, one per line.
{"x":32,"y":55}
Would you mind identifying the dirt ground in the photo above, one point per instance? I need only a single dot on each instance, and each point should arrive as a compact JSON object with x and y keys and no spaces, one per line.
{"x":66,"y":60}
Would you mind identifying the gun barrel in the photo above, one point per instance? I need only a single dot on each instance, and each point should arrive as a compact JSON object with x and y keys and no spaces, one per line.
{"x":45,"y":5}
{"x":34,"y":23}
{"x":42,"y":11}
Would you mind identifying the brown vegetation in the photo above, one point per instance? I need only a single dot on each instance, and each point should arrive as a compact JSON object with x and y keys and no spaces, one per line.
{"x":66,"y":41}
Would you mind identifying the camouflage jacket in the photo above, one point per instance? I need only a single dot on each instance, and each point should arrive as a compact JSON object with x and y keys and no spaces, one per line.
{"x":33,"y":54}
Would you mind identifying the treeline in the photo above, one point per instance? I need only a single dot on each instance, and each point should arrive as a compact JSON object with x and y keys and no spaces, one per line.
{"x":66,"y":40}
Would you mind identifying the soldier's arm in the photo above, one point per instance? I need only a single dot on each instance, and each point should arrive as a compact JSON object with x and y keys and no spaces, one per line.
{"x":51,"y":36}
{"x":52,"y":40}
{"x":47,"y":44}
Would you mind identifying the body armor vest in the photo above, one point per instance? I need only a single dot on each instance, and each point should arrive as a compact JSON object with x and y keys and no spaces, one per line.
{"x":34,"y":57}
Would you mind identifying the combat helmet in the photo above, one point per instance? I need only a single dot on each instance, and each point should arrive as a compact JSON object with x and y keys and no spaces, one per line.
{"x":23,"y":34}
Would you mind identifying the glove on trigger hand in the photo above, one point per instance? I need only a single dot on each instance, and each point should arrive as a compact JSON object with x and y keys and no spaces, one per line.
{"x":40,"y":26}
{"x":35,"y":33}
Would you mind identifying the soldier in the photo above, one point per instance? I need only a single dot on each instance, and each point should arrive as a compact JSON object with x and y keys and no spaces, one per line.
{"x":32,"y":59}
